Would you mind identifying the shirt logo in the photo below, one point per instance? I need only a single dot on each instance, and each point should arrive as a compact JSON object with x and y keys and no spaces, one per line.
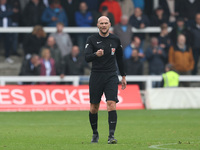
{"x":99,"y":42}
{"x":112,"y":51}
{"x":86,"y":45}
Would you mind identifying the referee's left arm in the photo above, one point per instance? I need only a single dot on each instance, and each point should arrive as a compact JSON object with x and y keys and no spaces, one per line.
{"x":119,"y":57}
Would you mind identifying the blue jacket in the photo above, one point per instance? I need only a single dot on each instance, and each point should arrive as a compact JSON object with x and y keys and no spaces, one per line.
{"x":8,"y":13}
{"x":156,"y":61}
{"x":83,"y":20}
{"x":128,"y":52}
{"x":138,"y":3}
{"x":58,"y":13}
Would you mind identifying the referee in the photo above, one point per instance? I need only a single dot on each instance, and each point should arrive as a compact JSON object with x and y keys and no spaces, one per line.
{"x":103,"y":50}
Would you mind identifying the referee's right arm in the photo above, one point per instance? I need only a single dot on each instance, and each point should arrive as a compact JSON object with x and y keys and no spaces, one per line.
{"x":90,"y":55}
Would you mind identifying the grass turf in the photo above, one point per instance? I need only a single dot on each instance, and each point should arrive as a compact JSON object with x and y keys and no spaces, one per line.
{"x":70,"y":130}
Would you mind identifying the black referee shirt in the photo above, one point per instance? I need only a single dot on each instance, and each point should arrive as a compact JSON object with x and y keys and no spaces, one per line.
{"x":112,"y":52}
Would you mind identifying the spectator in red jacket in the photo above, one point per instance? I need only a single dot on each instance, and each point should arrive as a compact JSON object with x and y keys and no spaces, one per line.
{"x":114,"y":8}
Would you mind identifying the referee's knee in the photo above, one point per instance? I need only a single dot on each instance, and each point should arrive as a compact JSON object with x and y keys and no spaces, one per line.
{"x":111,"y":105}
{"x":94,"y":108}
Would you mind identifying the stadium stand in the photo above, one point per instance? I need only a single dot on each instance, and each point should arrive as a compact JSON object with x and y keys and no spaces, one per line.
{"x":30,"y":6}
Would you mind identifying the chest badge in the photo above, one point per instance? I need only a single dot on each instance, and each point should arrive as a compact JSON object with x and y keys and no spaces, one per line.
{"x":113,"y":51}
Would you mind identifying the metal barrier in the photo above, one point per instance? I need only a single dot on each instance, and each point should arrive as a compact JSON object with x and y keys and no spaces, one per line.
{"x":75,"y":30}
{"x":77,"y":79}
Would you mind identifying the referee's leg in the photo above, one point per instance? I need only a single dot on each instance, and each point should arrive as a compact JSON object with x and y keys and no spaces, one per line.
{"x":93,"y":116}
{"x":112,"y":117}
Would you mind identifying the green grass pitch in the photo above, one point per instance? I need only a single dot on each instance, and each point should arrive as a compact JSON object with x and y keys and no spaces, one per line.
{"x":70,"y":130}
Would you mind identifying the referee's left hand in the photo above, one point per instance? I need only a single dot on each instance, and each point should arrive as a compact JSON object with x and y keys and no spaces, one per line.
{"x":123,"y":82}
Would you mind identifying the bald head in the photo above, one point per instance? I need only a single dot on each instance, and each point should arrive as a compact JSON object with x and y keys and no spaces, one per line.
{"x":103,"y":18}
{"x":104,"y":25}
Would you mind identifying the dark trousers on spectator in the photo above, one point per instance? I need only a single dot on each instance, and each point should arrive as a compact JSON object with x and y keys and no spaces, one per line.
{"x":7,"y":41}
{"x":196,"y":54}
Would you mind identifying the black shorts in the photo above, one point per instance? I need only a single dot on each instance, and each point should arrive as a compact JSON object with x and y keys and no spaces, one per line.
{"x":106,"y":83}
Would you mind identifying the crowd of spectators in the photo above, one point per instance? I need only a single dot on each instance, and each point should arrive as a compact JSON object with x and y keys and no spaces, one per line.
{"x":61,"y":53}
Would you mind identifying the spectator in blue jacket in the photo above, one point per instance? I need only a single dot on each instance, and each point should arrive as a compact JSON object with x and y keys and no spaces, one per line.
{"x":54,"y":14}
{"x":83,"y":18}
{"x":135,"y":44}
{"x":156,"y":59}
{"x":93,"y":5}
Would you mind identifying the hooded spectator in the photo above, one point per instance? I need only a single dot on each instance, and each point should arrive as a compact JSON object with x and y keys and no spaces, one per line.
{"x":158,"y":17}
{"x":180,"y":28}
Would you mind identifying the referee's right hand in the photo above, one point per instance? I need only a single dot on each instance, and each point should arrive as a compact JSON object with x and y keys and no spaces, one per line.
{"x":100,"y":52}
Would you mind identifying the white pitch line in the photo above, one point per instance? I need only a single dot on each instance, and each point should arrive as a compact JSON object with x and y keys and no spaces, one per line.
{"x":159,"y":146}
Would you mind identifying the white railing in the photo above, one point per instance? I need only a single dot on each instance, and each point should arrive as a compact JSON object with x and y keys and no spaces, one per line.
{"x":75,"y":30}
{"x":77,"y":79}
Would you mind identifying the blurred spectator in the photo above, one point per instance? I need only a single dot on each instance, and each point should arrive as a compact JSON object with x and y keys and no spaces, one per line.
{"x":47,"y":64}
{"x":6,"y":12}
{"x":134,"y":66}
{"x":180,"y":56}
{"x":34,"y":41}
{"x":93,"y":5}
{"x":171,"y":9}
{"x":23,"y":4}
{"x":83,"y":18}
{"x":164,"y":40}
{"x":180,"y":28}
{"x":156,"y":59}
{"x":54,"y":14}
{"x":63,"y":40}
{"x":47,"y":3}
{"x":170,"y":78}
{"x":139,"y":21}
{"x":55,"y":53}
{"x":127,"y":7}
{"x":15,"y":4}
{"x":195,"y":38}
{"x":149,"y":7}
{"x":73,"y":63}
{"x":106,"y":13}
{"x":70,"y":7}
{"x":135,"y":44}
{"x":158,"y":17}
{"x":31,"y":66}
{"x":189,"y":8}
{"x":139,"y":4}
{"x":114,"y":8}
{"x":124,"y":31}
{"x":32,"y":13}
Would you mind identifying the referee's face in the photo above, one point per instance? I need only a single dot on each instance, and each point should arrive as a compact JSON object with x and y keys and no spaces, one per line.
{"x":103,"y":25}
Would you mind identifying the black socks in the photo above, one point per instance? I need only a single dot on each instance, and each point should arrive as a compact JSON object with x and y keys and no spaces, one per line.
{"x":112,"y":121}
{"x":93,"y":122}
